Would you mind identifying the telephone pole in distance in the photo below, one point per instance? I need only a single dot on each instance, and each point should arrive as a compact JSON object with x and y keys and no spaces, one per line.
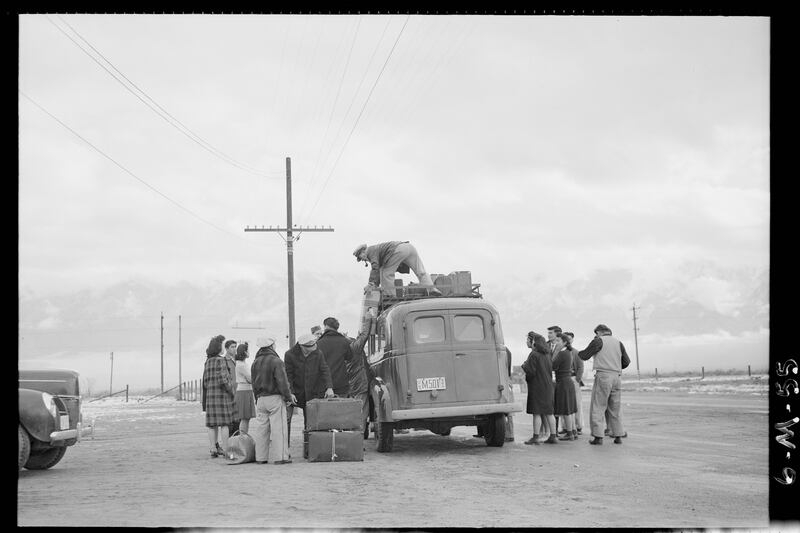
{"x":636,"y":338}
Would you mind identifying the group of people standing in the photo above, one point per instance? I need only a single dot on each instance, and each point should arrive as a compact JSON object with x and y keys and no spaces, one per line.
{"x":554,"y":375}
{"x":319,"y":365}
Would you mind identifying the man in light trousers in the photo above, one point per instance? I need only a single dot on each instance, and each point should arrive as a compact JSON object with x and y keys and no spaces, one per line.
{"x":271,"y":388}
{"x":389,"y":257}
{"x":610,"y":358}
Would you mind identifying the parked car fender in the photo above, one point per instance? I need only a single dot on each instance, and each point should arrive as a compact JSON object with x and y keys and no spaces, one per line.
{"x":34,"y":414}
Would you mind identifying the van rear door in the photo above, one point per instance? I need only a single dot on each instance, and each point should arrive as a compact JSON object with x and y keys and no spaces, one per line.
{"x":477,"y":373}
{"x":429,"y":358}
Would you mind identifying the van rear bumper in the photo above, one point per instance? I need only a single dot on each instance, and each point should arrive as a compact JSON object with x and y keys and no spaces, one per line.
{"x":458,"y":410}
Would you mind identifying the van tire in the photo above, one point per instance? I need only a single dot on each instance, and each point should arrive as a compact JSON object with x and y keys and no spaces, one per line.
{"x":384,"y":436}
{"x":24,"y":447}
{"x":46,"y":458}
{"x":494,"y":431}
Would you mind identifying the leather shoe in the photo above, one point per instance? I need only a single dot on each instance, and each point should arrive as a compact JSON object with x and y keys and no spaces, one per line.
{"x":596,"y":440}
{"x":617,"y":440}
{"x":285,"y":462}
{"x":533,"y":440}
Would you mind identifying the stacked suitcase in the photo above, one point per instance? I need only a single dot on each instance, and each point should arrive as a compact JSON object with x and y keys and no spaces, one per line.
{"x":334,"y":430}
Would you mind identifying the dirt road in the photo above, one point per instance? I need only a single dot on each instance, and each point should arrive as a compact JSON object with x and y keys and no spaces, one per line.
{"x":691,"y":460}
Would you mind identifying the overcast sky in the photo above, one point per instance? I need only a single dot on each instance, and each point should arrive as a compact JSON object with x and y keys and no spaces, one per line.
{"x":566,"y":161}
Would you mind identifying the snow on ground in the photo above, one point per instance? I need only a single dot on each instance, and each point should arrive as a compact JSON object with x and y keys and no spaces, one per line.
{"x":136,"y":408}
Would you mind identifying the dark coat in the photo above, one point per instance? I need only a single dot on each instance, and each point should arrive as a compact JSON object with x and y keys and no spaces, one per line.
{"x":538,"y":370}
{"x":357,"y":366}
{"x":269,"y":375}
{"x":309,"y":377}
{"x":564,"y":397}
{"x":218,"y":393}
{"x":336,"y":349}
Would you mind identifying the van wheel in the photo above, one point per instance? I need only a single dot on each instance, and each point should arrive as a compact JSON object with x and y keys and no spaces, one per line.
{"x":384,"y":435}
{"x":494,"y":431}
{"x":24,"y":447}
{"x":46,"y":459}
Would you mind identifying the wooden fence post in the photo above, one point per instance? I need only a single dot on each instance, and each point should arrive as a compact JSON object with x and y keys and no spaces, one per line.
{"x":703,"y":372}
{"x":748,"y":371}
{"x":126,"y":393}
{"x":656,"y":374}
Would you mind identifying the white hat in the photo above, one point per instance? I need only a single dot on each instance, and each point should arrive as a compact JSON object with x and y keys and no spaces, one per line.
{"x":309,"y":339}
{"x":264,"y":342}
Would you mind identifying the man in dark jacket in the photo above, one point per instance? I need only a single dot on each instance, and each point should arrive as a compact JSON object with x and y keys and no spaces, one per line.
{"x":610,"y":358}
{"x":356,"y":365}
{"x":336,"y":349}
{"x":308,"y":373}
{"x":386,"y":258}
{"x":271,"y":389}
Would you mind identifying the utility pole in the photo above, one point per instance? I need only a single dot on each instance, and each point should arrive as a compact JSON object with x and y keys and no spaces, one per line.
{"x":179,"y":350}
{"x":162,"y":351}
{"x":636,"y":338}
{"x":290,"y":238}
{"x":111,"y":380}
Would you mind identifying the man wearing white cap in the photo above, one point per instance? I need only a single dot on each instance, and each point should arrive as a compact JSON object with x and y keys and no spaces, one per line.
{"x":271,"y":389}
{"x":308,"y":373}
{"x":386,"y":258}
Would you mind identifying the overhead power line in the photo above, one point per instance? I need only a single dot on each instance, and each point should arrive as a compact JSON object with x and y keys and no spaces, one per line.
{"x":147,"y":100}
{"x":137,"y":178}
{"x":388,"y":57}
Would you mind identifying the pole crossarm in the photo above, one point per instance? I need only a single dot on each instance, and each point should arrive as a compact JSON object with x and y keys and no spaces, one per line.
{"x":282,"y":230}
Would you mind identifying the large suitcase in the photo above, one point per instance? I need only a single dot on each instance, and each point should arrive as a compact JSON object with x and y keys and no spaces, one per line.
{"x":334,"y":446}
{"x":333,"y":413}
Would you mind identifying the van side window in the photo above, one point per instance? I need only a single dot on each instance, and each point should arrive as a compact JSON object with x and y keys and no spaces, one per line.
{"x":429,"y":330}
{"x":468,"y":328}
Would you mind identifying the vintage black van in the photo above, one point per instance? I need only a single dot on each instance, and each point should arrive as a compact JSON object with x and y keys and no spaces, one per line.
{"x":437,"y":363}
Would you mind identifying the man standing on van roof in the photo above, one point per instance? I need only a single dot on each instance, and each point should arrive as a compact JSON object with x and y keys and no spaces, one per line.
{"x":386,"y":258}
{"x":610,"y":358}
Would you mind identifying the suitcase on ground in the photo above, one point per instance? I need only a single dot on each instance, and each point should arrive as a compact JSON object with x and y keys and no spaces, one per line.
{"x":333,"y":413}
{"x":335,"y":446}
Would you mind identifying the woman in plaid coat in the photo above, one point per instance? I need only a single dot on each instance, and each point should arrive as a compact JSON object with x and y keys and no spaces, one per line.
{"x":217,"y":397}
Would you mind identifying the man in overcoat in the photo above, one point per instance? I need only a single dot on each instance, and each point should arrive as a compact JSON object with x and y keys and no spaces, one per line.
{"x":308,"y":374}
{"x":336,"y":349}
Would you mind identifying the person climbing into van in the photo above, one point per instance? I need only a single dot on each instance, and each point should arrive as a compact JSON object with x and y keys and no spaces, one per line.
{"x":386,"y":258}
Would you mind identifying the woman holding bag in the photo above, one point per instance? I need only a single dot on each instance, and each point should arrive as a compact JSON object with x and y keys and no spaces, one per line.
{"x":217,"y":397}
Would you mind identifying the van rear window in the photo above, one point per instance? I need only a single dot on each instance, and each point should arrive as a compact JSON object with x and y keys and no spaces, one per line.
{"x":468,"y":328}
{"x":429,"y":329}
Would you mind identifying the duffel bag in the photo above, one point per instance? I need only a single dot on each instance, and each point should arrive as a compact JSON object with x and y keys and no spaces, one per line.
{"x":241,"y":449}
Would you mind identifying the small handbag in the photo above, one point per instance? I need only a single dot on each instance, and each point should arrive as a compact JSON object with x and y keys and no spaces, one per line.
{"x":241,"y":449}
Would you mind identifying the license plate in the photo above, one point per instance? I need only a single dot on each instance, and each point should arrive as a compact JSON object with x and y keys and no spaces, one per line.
{"x":431,"y":384}
{"x":64,"y":421}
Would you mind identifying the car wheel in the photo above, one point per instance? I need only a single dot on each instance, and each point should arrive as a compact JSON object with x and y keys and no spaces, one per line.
{"x":494,"y":431}
{"x":24,"y":447}
{"x":46,"y":458}
{"x":384,"y":435}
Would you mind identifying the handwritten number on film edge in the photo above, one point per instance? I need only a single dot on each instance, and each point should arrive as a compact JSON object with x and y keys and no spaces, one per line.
{"x":789,"y":386}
